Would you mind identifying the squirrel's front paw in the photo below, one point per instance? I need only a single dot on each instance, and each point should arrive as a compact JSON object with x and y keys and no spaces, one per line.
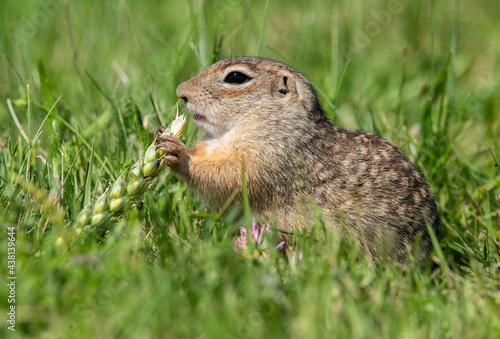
{"x":174,"y":150}
{"x":159,"y":131}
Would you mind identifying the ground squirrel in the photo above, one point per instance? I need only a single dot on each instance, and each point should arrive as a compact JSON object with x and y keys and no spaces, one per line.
{"x":264,"y":118}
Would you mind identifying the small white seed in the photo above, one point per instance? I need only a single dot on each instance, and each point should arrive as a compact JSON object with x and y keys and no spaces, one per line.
{"x":60,"y":242}
{"x":118,"y":188}
{"x":177,"y":125}
{"x":99,"y":219}
{"x":116,"y":204}
{"x":135,"y":171}
{"x":134,"y":187}
{"x":150,"y":154}
{"x":83,"y":218}
{"x":149,"y":168}
{"x":101,"y":204}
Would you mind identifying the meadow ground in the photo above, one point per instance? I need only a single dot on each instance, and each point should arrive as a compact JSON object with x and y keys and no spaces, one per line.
{"x":424,"y":74}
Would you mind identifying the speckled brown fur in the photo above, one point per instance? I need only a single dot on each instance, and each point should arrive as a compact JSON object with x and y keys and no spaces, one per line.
{"x":273,"y":126}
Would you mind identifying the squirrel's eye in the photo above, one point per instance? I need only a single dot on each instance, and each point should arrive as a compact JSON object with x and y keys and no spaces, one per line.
{"x":236,"y":78}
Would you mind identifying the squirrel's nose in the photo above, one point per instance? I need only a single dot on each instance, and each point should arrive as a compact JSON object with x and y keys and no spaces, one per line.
{"x":181,"y":92}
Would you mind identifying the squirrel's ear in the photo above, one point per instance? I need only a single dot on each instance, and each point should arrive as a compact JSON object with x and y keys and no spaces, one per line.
{"x":284,"y":85}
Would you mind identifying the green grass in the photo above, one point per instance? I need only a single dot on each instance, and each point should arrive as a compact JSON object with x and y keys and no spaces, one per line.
{"x":425,"y":75}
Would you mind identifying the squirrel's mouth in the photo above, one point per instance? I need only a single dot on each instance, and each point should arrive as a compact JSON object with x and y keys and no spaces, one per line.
{"x":204,"y":123}
{"x":199,"y":118}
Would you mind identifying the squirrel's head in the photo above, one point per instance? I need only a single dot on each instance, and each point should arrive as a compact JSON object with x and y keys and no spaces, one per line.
{"x":237,"y":91}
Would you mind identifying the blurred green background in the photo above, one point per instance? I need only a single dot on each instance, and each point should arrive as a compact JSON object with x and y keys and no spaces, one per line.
{"x":424,"y":74}
{"x":140,"y":48}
